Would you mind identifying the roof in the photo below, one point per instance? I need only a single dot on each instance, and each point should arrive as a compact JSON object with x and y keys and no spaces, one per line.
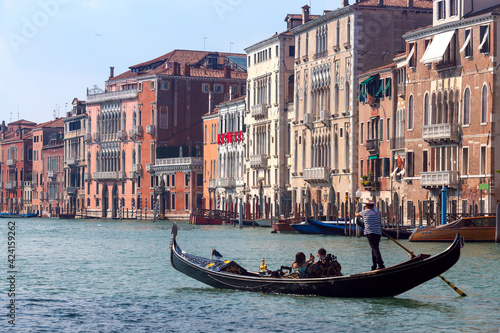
{"x":378,"y":69}
{"x":299,"y":16}
{"x":59,"y":122}
{"x":22,"y":122}
{"x":494,"y":10}
{"x":424,"y":4}
{"x":194,"y":59}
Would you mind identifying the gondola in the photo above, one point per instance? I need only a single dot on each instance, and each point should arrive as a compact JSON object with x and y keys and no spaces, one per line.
{"x":385,"y":282}
{"x":333,"y":228}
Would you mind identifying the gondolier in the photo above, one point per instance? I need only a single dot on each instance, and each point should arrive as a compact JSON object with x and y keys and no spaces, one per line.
{"x":373,"y":232}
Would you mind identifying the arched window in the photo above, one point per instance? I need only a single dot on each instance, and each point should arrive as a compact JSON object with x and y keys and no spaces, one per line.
{"x":444,"y":119}
{"x":439,"y":115}
{"x":433,"y":110}
{"x":484,"y":105}
{"x":466,"y":108}
{"x":451,"y":108}
{"x":410,"y":112}
{"x":124,"y":121}
{"x":426,"y":109}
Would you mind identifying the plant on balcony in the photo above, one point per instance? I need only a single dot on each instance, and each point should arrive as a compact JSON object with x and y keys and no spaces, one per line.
{"x":364,"y":177}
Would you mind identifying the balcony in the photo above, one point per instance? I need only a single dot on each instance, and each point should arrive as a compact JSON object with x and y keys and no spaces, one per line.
{"x":11,"y":163}
{"x":259,"y":110}
{"x":324,"y":116}
{"x":137,"y":168}
{"x":179,"y":161}
{"x":121,"y":174}
{"x":240,"y":182}
{"x":150,"y":129}
{"x":87,"y":137}
{"x":212,"y":183}
{"x":320,"y":54}
{"x":86,"y":176}
{"x":438,"y":179}
{"x":308,"y":119}
{"x":258,"y":161}
{"x":397,"y":143}
{"x":20,"y":184}
{"x":148,"y":167}
{"x":71,"y":190}
{"x":225,"y":182}
{"x":122,"y":135}
{"x":441,"y":133}
{"x":317,"y":175}
{"x":112,"y":96}
{"x":96,"y":136}
{"x":9,"y":186}
{"x":401,"y":89}
{"x":105,"y":175}
{"x":372,"y":146}
{"x":135,"y":132}
{"x":71,"y":162}
{"x":159,"y":189}
{"x":52,"y":174}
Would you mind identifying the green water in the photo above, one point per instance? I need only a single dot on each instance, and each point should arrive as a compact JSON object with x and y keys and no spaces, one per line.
{"x":115,"y":276}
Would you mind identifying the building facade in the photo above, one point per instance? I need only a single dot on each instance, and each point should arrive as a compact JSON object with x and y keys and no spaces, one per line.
{"x":451,"y":91}
{"x":17,"y":163}
{"x":231,"y":153}
{"x":210,"y":140}
{"x":75,"y":161}
{"x":331,"y":52}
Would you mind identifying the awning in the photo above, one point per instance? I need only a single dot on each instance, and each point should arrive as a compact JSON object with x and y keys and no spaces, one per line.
{"x":379,"y":92}
{"x":372,"y":157}
{"x":412,"y":51}
{"x":436,"y":50}
{"x":466,"y":43}
{"x":368,"y":80}
{"x":485,"y":38}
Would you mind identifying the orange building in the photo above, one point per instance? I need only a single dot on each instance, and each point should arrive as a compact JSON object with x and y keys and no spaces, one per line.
{"x":210,"y":134}
{"x":16,"y":163}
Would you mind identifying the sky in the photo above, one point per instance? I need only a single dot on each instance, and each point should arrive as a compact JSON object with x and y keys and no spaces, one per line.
{"x":51,"y":51}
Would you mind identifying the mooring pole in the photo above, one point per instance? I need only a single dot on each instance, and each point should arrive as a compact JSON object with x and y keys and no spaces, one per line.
{"x":444,"y":204}
{"x":497,"y":235}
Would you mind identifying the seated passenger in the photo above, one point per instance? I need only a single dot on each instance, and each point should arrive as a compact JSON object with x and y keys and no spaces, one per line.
{"x":300,"y":264}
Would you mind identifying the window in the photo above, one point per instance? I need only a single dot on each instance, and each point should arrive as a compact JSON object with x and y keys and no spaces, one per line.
{"x":199,"y":180}
{"x":186,"y":201}
{"x":484,"y":105}
{"x":410,"y":167}
{"x":381,"y":131}
{"x":218,"y":88}
{"x":361,"y":168}
{"x":291,"y":51}
{"x":410,"y":112}
{"x":387,"y":167}
{"x":173,"y":201}
{"x":205,"y":87}
{"x":484,"y":47}
{"x":388,"y":129}
{"x":467,"y":48}
{"x":425,"y":160}
{"x":173,"y":180}
{"x":165,"y":85}
{"x":440,"y":10}
{"x":426,"y":109}
{"x":362,"y":134}
{"x":467,"y":106}
{"x":139,"y":86}
{"x":186,"y":179}
{"x":465,"y":160}
{"x":482,"y":166}
{"x":453,"y":7}
{"x":412,"y":56}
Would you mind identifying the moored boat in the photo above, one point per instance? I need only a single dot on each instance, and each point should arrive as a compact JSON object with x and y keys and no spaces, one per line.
{"x":12,"y":215}
{"x":333,"y":227}
{"x":385,"y":282}
{"x":307,"y":228}
{"x":209,"y":216}
{"x":266,"y":223}
{"x":283,"y":226}
{"x":472,"y":229}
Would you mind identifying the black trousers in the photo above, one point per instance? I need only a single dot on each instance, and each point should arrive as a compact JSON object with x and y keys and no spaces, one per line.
{"x":374,"y":240}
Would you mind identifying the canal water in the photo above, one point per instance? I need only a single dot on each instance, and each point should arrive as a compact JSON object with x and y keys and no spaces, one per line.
{"x":115,"y":276}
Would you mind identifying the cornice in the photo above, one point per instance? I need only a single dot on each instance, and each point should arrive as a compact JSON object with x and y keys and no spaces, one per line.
{"x":322,"y":19}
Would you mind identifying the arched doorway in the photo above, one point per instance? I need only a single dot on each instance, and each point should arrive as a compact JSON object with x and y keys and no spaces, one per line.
{"x":114,"y":202}
{"x":105,"y":200}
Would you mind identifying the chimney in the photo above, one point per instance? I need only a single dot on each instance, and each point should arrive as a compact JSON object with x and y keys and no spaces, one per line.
{"x":227,"y":71}
{"x":381,"y":3}
{"x":345,"y":3}
{"x":187,"y":69}
{"x":305,"y":14}
{"x":210,"y":103}
{"x":410,"y":4}
{"x":111,"y":72}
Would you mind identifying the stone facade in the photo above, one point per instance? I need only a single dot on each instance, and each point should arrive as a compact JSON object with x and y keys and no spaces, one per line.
{"x":210,"y":137}
{"x":332,"y":51}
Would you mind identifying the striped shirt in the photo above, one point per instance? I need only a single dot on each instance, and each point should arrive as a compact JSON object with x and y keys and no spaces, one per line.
{"x":371,"y":218}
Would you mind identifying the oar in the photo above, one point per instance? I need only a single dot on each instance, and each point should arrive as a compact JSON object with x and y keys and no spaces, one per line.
{"x":460,"y":292}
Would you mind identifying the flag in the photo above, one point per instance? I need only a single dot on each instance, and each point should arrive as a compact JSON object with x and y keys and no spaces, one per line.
{"x":401,"y":164}
{"x":216,"y":254}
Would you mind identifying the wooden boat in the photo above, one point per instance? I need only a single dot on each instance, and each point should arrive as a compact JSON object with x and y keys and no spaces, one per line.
{"x":335,"y":228}
{"x":209,"y":216}
{"x":402,"y":233}
{"x":283,"y":226}
{"x":472,"y":229}
{"x":245,"y":223}
{"x":12,"y":215}
{"x":385,"y":282}
{"x":266,"y":223}
{"x":309,"y":229}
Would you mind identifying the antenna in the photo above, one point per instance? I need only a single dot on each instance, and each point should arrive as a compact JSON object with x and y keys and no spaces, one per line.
{"x":204,"y":40}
